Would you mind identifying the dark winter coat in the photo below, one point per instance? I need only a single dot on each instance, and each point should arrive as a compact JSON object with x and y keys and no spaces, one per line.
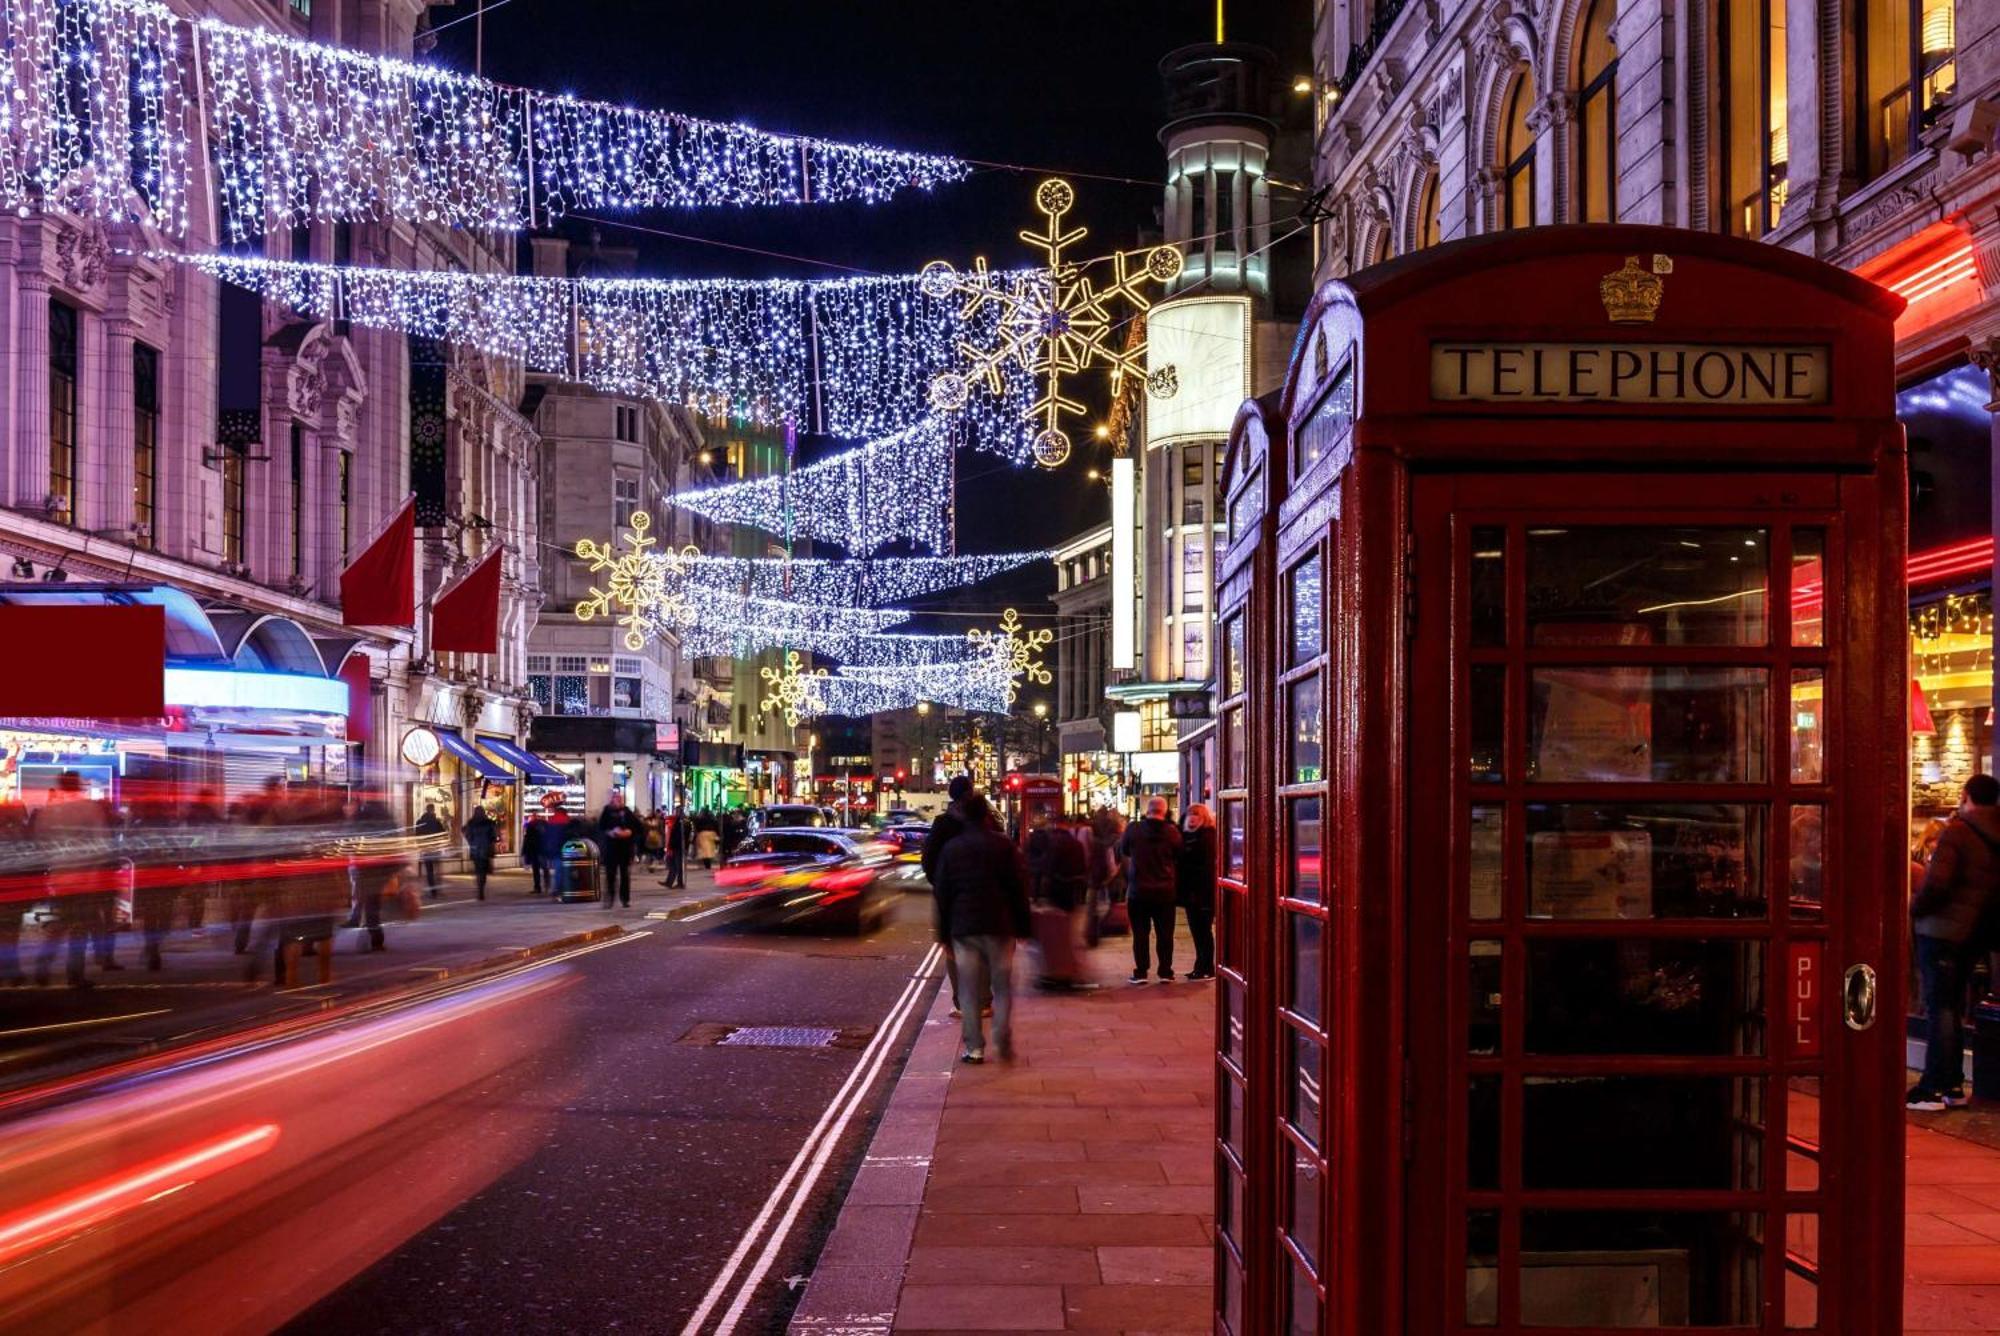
{"x":480,"y":834}
{"x":1197,"y":871}
{"x":1065,"y":868}
{"x":1151,"y":849}
{"x":944,"y":826}
{"x":612,"y":819}
{"x":1961,"y":887}
{"x":982,"y":886}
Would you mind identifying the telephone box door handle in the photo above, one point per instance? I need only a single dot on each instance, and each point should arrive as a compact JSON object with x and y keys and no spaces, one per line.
{"x":1857,"y":994}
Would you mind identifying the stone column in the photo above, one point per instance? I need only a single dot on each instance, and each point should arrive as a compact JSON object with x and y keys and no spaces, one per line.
{"x":31,"y":361}
{"x":1644,"y":148}
{"x":1552,"y":121}
{"x":113,"y":446}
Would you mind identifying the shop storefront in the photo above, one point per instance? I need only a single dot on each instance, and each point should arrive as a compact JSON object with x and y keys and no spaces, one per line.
{"x":595,"y":755}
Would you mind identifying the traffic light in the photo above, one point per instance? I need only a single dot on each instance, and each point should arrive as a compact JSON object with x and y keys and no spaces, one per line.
{"x":1014,"y":783}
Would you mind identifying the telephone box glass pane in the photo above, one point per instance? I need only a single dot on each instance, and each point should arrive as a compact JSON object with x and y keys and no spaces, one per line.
{"x":1592,"y":725}
{"x":1303,"y":1102}
{"x":1303,"y":1206}
{"x":1233,"y":748}
{"x":1482,"y":1269}
{"x":1489,"y":585}
{"x":1308,"y":631}
{"x":1603,"y":1133}
{"x":1485,"y":850}
{"x":1807,"y":867}
{"x":1808,"y":726}
{"x":1302,"y":966}
{"x":1232,"y":838}
{"x":1801,"y":1271}
{"x":1616,"y":995}
{"x":1489,"y":723}
{"x":1808,"y":587}
{"x":1483,"y":1027}
{"x":1482,"y":1134}
{"x":1230,"y":1220}
{"x":1232,"y":1022}
{"x":1647,"y":586}
{"x":1304,"y":732}
{"x":1232,"y":1115}
{"x":1303,"y":1317}
{"x":1305,"y":880}
{"x":1645,"y":861}
{"x":1232,"y":1295}
{"x":1232,"y":648}
{"x":1641,"y":1269}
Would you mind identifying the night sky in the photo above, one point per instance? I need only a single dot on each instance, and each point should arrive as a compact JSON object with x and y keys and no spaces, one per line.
{"x":1068,"y":86}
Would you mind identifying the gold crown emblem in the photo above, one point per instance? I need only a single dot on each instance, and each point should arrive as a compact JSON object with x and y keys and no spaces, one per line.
{"x":1631,"y":296}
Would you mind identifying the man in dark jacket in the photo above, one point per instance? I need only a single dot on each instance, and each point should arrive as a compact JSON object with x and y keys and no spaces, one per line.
{"x":982,"y":899}
{"x":677,"y":850}
{"x":945,"y":825}
{"x":480,"y":836}
{"x":1950,"y":913}
{"x":1151,"y":847}
{"x":1197,"y":889}
{"x":619,"y":831}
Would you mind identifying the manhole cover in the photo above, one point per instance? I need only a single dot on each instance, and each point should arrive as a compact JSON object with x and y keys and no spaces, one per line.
{"x":780,"y":1036}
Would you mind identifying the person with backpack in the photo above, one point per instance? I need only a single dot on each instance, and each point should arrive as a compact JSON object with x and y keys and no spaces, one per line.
{"x":1151,"y":847}
{"x":1953,"y":916}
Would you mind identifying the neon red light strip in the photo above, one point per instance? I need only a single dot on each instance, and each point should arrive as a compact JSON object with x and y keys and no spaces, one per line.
{"x":44,"y":1223}
{"x":1938,"y":274}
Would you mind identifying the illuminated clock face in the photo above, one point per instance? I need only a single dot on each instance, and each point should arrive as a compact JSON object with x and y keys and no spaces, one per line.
{"x":420,"y":746}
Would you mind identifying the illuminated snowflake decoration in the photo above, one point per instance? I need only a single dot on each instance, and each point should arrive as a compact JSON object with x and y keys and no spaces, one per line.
{"x":1055,"y":322}
{"x":646,"y":589}
{"x":1016,"y":651}
{"x":793,"y":689}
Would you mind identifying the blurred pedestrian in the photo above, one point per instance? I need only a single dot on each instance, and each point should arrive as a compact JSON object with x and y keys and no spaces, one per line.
{"x":201,"y":824}
{"x":944,"y":827}
{"x":655,"y":838}
{"x":1106,"y":916}
{"x":74,"y":831}
{"x":619,"y":832}
{"x":677,"y":850}
{"x":1065,"y":881}
{"x":1151,"y":848}
{"x":707,"y":846}
{"x":1196,"y":888}
{"x":480,"y":837}
{"x":429,"y":824}
{"x":375,"y":867}
{"x":1953,"y":913}
{"x":532,"y":836}
{"x":555,"y":835}
{"x":982,"y":899}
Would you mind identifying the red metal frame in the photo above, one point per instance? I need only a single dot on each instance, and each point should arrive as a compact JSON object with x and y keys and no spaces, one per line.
{"x":1387,"y":503}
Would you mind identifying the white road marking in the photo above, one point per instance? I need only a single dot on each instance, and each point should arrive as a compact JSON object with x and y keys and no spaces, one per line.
{"x":810,"y":1160}
{"x":77,"y":1025}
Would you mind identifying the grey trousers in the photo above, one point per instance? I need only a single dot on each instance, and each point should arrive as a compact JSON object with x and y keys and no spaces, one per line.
{"x":980,"y":964}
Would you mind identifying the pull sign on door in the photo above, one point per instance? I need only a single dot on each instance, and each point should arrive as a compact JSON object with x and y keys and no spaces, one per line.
{"x":1802,"y":981}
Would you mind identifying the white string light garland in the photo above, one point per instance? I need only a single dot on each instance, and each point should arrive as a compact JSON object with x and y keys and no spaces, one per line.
{"x":96,"y":118}
{"x":847,"y":357}
{"x":853,"y":582}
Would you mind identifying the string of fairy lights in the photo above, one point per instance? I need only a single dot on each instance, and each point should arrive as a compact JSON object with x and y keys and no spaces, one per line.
{"x":105,"y":106}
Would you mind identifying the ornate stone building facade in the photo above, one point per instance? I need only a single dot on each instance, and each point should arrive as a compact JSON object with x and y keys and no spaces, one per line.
{"x":158,"y":427}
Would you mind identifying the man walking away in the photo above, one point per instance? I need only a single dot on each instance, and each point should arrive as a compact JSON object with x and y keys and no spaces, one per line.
{"x":944,"y":826}
{"x":1956,"y":901}
{"x":374,"y":867}
{"x":1151,"y":848}
{"x":982,"y":895}
{"x":532,"y":836}
{"x":619,"y":833}
{"x":555,"y":834}
{"x":677,"y":850}
{"x":480,"y":833}
{"x":1197,"y":889}
{"x":1065,"y":881}
{"x":428,"y":824}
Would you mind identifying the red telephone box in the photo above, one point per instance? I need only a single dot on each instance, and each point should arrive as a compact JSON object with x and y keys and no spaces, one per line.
{"x":1563,"y":769}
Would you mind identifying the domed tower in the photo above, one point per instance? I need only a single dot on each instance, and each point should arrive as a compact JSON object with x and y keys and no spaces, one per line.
{"x":1221,"y":97}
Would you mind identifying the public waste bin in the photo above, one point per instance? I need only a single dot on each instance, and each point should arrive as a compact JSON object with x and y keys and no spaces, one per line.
{"x":579,"y":871}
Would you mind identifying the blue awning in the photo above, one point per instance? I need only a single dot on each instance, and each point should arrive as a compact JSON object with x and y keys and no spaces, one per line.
{"x":451,"y":740}
{"x":532,"y":767}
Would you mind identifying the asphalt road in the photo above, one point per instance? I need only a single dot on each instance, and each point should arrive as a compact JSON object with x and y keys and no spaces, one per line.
{"x":650,"y":1149}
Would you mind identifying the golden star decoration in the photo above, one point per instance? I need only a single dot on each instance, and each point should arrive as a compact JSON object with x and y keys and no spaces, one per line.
{"x":792,"y":689}
{"x":646,"y":587}
{"x":1055,"y":321}
{"x":1016,"y":648}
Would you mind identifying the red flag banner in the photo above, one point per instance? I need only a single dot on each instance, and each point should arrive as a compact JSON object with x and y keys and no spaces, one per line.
{"x":114,"y":661}
{"x":466,"y":616}
{"x":379,"y":587}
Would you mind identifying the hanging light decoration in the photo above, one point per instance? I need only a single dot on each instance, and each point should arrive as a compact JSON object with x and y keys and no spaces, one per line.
{"x":1012,"y":644}
{"x":95,"y":104}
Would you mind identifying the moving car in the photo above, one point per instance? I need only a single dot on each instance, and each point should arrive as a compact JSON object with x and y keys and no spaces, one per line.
{"x":788,"y":816}
{"x":810,"y":877}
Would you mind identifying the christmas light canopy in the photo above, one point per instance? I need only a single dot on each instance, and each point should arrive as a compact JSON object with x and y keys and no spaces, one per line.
{"x":101,"y":102}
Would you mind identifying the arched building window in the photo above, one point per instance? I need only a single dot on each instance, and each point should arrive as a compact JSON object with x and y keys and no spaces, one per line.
{"x":1752,"y":148}
{"x":1597,"y":117}
{"x":1517,"y":156}
{"x":1427,"y":211}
